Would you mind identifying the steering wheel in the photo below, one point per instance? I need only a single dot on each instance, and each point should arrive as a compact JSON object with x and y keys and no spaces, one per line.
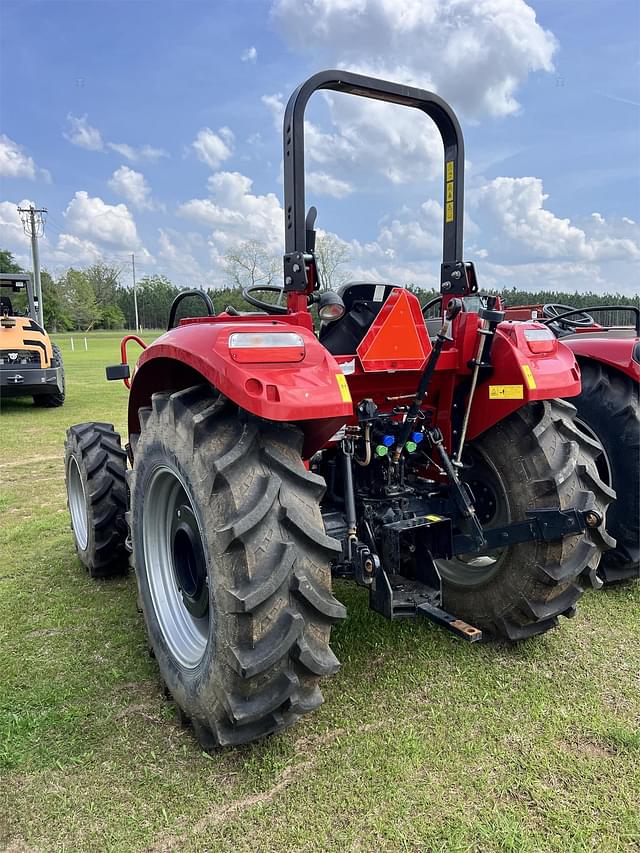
{"x":580,"y":319}
{"x":269,"y":307}
{"x":430,"y":304}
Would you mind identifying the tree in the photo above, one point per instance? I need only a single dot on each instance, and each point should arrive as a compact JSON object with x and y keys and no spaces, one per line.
{"x":155,"y":295}
{"x":79,"y":299}
{"x":112,"y":317}
{"x":250,"y":264}
{"x":56,"y":315}
{"x":104,"y":281}
{"x":7,"y":262}
{"x":331,"y":255}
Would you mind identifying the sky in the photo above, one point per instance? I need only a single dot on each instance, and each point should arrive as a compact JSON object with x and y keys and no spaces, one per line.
{"x":154,"y":127}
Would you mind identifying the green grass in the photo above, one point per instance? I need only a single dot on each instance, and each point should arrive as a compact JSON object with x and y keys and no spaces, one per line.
{"x":423,"y":744}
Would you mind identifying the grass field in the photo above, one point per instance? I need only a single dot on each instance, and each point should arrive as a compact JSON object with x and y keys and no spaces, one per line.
{"x":423,"y":744}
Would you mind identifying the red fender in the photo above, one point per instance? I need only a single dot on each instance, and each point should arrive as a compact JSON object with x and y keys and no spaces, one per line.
{"x":521,"y":375}
{"x":614,"y":352}
{"x":307,"y":389}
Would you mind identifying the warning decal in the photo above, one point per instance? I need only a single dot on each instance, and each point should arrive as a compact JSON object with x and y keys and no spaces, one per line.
{"x":529,"y":378}
{"x":448,"y":194}
{"x":344,"y":388}
{"x":506,"y":392}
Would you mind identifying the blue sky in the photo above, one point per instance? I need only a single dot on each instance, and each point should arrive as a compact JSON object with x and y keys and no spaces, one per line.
{"x":153,"y":127}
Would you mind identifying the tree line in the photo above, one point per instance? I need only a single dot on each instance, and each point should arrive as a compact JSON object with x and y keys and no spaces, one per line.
{"x":95,"y":297}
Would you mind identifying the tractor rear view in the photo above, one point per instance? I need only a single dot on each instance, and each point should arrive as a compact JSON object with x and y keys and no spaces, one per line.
{"x":432,"y":463}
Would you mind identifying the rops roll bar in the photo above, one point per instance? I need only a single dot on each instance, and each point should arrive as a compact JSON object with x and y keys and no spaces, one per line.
{"x":381,"y":90}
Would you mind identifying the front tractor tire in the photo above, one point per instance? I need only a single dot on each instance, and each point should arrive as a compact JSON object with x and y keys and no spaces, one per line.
{"x":536,"y":458}
{"x":232,"y":564}
{"x":95,"y":467}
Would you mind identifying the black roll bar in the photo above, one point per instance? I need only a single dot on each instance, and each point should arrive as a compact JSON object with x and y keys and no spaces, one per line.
{"x":381,"y":90}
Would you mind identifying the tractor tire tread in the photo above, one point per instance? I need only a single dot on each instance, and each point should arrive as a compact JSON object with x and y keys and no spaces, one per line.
{"x":272,"y":588}
{"x":102,"y":464}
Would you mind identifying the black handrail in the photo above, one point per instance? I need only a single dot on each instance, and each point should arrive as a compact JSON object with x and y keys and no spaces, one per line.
{"x":382,"y":90}
{"x":183,"y":295}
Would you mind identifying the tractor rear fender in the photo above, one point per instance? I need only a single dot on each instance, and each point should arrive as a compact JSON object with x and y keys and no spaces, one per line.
{"x":523,"y":369}
{"x":617,"y":353}
{"x":269,"y":368}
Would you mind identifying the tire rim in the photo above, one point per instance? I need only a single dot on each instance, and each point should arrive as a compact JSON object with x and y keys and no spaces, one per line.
{"x":77,"y":504}
{"x":492,"y":509}
{"x":602,"y":461}
{"x":175,"y":567}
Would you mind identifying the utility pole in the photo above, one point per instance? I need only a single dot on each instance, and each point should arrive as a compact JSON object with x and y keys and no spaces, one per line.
{"x":135,"y":292}
{"x":33,"y":224}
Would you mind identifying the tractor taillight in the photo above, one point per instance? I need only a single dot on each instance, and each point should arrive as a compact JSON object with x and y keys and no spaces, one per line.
{"x":266,"y":347}
{"x":540,"y":340}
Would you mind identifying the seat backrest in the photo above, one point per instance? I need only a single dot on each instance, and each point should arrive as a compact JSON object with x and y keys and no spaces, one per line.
{"x":362,"y":301}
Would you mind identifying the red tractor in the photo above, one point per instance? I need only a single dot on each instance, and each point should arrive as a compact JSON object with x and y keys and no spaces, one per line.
{"x":608,"y":353}
{"x":433,"y":463}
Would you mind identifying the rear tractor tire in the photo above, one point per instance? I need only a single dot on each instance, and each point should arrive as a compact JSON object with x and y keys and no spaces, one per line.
{"x":609,"y":410}
{"x":232,"y":564}
{"x":534,"y":459}
{"x":95,"y":467}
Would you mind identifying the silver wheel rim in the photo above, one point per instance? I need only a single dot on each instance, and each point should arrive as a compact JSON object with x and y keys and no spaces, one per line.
{"x":185,"y":635}
{"x":473,"y":569}
{"x":77,"y":503}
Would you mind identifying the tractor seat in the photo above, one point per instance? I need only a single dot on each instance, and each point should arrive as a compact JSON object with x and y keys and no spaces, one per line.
{"x":6,"y":308}
{"x":362,"y":302}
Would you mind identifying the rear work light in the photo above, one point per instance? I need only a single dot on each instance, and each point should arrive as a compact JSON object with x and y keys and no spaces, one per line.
{"x":267,"y":347}
{"x":540,"y":340}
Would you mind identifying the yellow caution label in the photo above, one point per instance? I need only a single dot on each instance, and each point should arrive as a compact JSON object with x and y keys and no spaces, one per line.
{"x":529,"y":378}
{"x":449,"y":213}
{"x":449,"y":171}
{"x":344,"y":387}
{"x":433,"y":517}
{"x":506,"y":392}
{"x":450,"y":191}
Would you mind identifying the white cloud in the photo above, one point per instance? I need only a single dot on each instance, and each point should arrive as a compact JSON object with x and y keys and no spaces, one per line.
{"x":74,"y":251}
{"x":214,"y":148}
{"x":234,"y":214}
{"x":476,"y":53}
{"x":321,"y":183}
{"x":79,"y":132}
{"x":175,"y":252}
{"x":513,"y":209}
{"x":91,"y":218}
{"x":368,"y":137}
{"x":249,"y":55}
{"x":14,"y":162}
{"x":133,"y":187}
{"x":13,"y":236}
{"x":82,"y":134}
{"x":136,"y":155}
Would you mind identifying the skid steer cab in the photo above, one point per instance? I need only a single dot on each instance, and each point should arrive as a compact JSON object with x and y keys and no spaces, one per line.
{"x":428,"y":459}
{"x":30,"y":365}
